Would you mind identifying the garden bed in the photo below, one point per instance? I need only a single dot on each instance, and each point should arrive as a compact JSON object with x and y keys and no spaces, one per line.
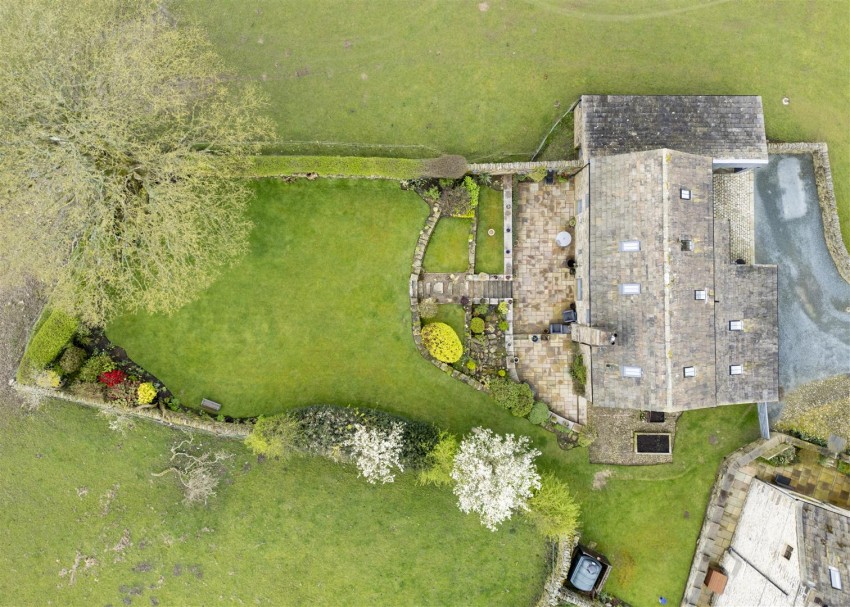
{"x":653,"y":443}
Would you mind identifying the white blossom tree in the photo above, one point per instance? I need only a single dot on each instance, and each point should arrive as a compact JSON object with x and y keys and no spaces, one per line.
{"x":376,"y":452}
{"x":494,"y":475}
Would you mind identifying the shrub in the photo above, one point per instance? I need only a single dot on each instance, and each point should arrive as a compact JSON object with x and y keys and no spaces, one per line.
{"x":94,"y":367}
{"x":553,"y":510}
{"x":502,"y":308}
{"x":481,"y":309}
{"x":72,"y":359}
{"x":578,"y":371}
{"x":48,"y":378}
{"x":439,"y":462}
{"x":146,"y":393}
{"x":514,"y":396}
{"x":428,"y":308}
{"x":455,"y":202}
{"x":325,"y":430}
{"x":539,"y":414}
{"x":472,"y":189}
{"x":51,"y":337}
{"x":587,"y":436}
{"x":442,"y":342}
{"x":124,"y":394}
{"x":503,"y":325}
{"x":452,"y":166}
{"x":275,"y":436}
{"x":494,"y":475}
{"x":476,"y":325}
{"x":376,"y":452}
{"x":337,"y":166}
{"x":470,"y":364}
{"x":433,"y":193}
{"x":112,"y":378}
{"x":537,"y":174}
{"x":502,"y":373}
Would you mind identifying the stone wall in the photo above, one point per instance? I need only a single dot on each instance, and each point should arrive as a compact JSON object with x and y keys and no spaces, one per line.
{"x":826,"y":196}
{"x":173,"y":419}
{"x":510,"y":168}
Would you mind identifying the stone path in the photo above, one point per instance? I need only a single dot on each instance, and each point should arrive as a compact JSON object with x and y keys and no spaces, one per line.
{"x":449,"y":288}
{"x":543,"y":286}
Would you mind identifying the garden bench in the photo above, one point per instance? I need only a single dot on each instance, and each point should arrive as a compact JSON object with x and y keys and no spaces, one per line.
{"x":210,"y":405}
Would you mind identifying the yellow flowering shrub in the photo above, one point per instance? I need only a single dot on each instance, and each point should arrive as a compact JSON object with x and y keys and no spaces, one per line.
{"x":442,"y":342}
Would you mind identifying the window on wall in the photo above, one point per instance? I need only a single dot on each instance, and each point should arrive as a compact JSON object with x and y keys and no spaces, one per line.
{"x":631,"y":371}
{"x":736,"y":369}
{"x":630,"y":288}
{"x":629,"y":246}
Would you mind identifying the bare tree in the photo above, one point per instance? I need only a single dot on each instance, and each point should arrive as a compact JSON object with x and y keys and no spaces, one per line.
{"x":120,"y":137}
{"x":199,"y":472}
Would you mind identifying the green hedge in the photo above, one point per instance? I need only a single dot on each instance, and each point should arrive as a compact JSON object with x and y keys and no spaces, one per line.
{"x":337,"y":166}
{"x":50,"y":338}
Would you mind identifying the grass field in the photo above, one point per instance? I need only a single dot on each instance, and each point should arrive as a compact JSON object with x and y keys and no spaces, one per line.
{"x":453,"y":315}
{"x":453,"y":77}
{"x":318,"y":313}
{"x":307,"y":532}
{"x":448,"y":249}
{"x":489,"y":256}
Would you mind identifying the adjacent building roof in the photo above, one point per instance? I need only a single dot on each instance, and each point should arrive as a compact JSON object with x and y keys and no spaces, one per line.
{"x":729,"y":129}
{"x":674,"y":330}
{"x":786,"y":561}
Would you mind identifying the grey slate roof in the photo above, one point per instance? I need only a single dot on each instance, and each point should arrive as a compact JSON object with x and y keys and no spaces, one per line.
{"x":825,"y":542}
{"x":665,"y":329}
{"x":718,"y":126}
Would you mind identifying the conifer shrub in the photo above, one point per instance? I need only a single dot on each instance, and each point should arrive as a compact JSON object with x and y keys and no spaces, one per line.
{"x":539,"y":414}
{"x":552,"y":508}
{"x":72,"y":359}
{"x":146,"y":393}
{"x":476,"y":325}
{"x":442,"y":342}
{"x":516,"y":397}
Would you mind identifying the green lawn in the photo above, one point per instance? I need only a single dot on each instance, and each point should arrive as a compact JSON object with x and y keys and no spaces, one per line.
{"x":318,"y":313}
{"x":308,"y":532}
{"x":453,"y":315}
{"x":489,"y":255}
{"x":448,"y":249}
{"x":445,"y":76}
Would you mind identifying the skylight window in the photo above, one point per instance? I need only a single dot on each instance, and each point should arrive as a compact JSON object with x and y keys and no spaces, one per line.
{"x":835,"y":578}
{"x":736,"y":325}
{"x":690,"y":372}
{"x":629,"y":371}
{"x":736,"y":369}
{"x":630,"y":288}
{"x":629,"y":246}
{"x":687,"y":244}
{"x":700,"y":295}
{"x":685,"y":194}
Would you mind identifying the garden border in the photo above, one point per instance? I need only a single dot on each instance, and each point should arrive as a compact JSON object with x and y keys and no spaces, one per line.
{"x":826,"y":198}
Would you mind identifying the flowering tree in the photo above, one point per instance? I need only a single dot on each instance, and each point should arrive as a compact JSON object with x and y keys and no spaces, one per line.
{"x":376,"y":452}
{"x":494,"y":475}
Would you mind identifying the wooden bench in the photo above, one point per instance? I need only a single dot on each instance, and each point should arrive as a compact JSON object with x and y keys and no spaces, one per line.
{"x":210,"y":405}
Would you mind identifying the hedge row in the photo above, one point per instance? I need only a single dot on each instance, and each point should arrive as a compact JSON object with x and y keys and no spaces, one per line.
{"x":338,"y":166}
{"x":51,"y":337}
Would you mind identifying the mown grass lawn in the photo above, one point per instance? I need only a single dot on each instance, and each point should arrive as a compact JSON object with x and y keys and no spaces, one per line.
{"x":318,"y":313}
{"x":489,"y":255}
{"x":306,"y":532}
{"x":453,"y":77}
{"x":453,"y":315}
{"x":448,"y":249}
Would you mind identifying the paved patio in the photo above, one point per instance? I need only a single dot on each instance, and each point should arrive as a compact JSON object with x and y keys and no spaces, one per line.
{"x":545,"y":365}
{"x":543,"y":287}
{"x":809,"y":478}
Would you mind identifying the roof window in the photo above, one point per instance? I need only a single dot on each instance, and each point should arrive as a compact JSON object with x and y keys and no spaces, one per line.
{"x":736,"y":325}
{"x":700,"y":294}
{"x":736,"y":369}
{"x":629,"y":246}
{"x":630,"y":288}
{"x":685,"y":194}
{"x":629,"y":371}
{"x":835,"y":578}
{"x":690,"y":372}
{"x":687,"y":243}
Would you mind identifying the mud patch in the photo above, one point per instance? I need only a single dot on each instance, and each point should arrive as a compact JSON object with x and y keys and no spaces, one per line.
{"x":600,"y":479}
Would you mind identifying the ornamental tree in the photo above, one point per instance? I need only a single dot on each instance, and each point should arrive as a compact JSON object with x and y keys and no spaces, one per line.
{"x":376,"y":452}
{"x":494,"y":475}
{"x":120,"y":139}
{"x":112,"y":378}
{"x":553,"y":510}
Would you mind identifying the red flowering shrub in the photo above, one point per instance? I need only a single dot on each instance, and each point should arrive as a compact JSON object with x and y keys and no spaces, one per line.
{"x":112,"y":378}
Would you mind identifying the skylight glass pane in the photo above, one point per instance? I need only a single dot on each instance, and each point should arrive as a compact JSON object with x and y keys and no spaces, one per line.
{"x":629,"y":246}
{"x":736,"y":369}
{"x":685,"y":194}
{"x":690,"y":372}
{"x":700,"y":294}
{"x":631,"y":371}
{"x":736,"y":325}
{"x":630,"y":288}
{"x":835,"y":578}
